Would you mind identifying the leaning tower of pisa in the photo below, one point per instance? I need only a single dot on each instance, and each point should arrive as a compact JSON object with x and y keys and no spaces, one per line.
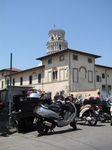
{"x":56,"y":41}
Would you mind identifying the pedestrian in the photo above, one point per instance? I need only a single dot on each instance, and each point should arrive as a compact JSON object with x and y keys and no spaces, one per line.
{"x":56,"y":97}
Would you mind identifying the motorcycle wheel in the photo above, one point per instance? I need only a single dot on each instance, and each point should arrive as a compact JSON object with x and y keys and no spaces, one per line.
{"x":18,"y":129}
{"x":111,"y":121}
{"x":73,"y":125}
{"x":102,"y":118}
{"x":93,"y":120}
{"x":42,"y":129}
{"x":19,"y":126}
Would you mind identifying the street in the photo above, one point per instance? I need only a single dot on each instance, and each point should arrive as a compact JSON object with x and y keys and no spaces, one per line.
{"x":86,"y":137}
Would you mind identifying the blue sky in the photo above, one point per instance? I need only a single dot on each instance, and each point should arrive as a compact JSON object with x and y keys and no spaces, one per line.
{"x":24,"y":27}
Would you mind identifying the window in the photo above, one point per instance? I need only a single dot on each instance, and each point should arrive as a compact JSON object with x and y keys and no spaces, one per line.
{"x":21,"y":80}
{"x":52,"y":38}
{"x":55,"y":70}
{"x":90,"y":76}
{"x":89,"y":60}
{"x":50,"y":61}
{"x":2,"y":73}
{"x":75,"y":57}
{"x":7,"y":82}
{"x":39,"y":78}
{"x":62,"y":74}
{"x":103,"y":75}
{"x":75,"y":75}
{"x":55,"y":75}
{"x":82,"y":74}
{"x":98,"y":78}
{"x":109,"y":89}
{"x":103,"y":88}
{"x":13,"y":81}
{"x":49,"y":76}
{"x":58,"y":37}
{"x":61,"y":57}
{"x":30,"y":79}
{"x":2,"y":84}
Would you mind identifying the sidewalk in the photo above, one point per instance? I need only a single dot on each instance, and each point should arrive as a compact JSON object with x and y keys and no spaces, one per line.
{"x":4,"y":126}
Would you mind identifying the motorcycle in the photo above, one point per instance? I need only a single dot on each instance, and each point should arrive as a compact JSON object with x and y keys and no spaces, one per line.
{"x":86,"y":112}
{"x":111,"y":113}
{"x":59,"y":114}
{"x":105,"y":111}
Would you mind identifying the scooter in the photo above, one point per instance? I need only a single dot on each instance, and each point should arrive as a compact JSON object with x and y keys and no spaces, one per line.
{"x":86,"y":113}
{"x":59,"y":114}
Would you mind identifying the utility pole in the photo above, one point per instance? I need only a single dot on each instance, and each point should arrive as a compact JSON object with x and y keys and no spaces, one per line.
{"x":10,"y":91}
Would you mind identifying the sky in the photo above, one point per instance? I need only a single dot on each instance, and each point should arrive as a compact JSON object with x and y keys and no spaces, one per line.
{"x":24,"y":27}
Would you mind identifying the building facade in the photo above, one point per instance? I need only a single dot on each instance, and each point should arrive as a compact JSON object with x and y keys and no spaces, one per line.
{"x":104,"y":79}
{"x":4,"y":77}
{"x":69,"y":70}
{"x":62,"y":69}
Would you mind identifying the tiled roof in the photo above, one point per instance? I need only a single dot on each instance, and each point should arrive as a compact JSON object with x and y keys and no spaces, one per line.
{"x":13,"y":69}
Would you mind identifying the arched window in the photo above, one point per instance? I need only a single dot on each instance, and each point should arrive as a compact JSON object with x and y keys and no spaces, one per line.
{"x":83,"y":72}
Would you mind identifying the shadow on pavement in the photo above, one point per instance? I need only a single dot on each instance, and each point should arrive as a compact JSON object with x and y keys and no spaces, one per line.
{"x":97,"y":125}
{"x":59,"y":132}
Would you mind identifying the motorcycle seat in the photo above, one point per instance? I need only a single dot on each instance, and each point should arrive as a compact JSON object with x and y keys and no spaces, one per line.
{"x":53,"y":107}
{"x":85,"y":106}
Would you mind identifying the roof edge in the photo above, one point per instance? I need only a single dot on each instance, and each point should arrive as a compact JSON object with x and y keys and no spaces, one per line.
{"x":97,"y":65}
{"x":68,"y":49}
{"x":26,"y":70}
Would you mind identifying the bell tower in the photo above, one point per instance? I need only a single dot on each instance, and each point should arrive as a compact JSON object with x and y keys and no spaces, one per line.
{"x":56,"y":41}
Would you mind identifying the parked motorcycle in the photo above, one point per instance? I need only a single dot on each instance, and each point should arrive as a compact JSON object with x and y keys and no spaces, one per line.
{"x":47,"y":117}
{"x":86,"y":112}
{"x":105,"y":110}
{"x":111,"y":113}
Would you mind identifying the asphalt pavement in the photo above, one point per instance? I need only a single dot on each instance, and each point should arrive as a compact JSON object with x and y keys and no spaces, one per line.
{"x":86,"y":137}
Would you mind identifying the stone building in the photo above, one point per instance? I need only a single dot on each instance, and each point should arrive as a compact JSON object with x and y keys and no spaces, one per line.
{"x":63,"y":69}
